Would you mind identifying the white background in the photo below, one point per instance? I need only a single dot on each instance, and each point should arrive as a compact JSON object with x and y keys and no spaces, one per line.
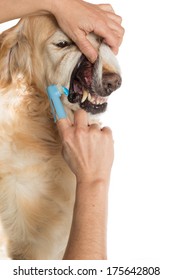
{"x":141,"y":117}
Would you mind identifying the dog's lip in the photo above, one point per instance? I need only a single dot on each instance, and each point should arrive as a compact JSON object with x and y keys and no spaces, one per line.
{"x":81,"y":90}
{"x":93,"y":108}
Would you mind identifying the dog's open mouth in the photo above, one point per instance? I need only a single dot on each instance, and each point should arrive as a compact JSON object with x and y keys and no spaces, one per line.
{"x":81,"y":88}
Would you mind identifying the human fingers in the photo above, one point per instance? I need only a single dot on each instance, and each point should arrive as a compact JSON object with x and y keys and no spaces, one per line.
{"x":95,"y":126}
{"x":114,"y":46}
{"x":85,"y":46}
{"x":106,"y":7}
{"x":114,"y":23}
{"x":117,"y":19}
{"x":110,"y":36}
{"x":63,"y":125}
{"x":115,"y":39}
{"x":114,"y":35}
{"x":107,"y":130}
{"x":110,"y":11}
{"x":111,"y":14}
{"x":81,"y":118}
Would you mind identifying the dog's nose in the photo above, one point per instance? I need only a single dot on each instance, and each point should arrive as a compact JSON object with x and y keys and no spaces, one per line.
{"x":111,"y":82}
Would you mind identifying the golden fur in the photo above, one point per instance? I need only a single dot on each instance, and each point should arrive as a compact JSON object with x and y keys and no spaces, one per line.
{"x":37,"y":189}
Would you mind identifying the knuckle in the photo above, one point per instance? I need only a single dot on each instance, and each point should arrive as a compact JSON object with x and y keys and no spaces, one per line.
{"x":107,"y":131}
{"x":94,"y":131}
{"x":108,"y":5}
{"x":119,"y":19}
{"x":110,"y":8}
{"x":122,"y":30}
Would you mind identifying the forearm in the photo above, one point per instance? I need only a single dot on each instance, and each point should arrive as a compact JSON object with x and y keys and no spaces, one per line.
{"x":89,"y":226}
{"x":12,"y":9}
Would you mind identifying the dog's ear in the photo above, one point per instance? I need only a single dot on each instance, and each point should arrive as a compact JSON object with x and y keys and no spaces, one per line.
{"x":15,"y":54}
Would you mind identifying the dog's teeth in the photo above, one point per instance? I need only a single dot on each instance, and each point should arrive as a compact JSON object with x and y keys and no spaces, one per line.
{"x":100,"y":101}
{"x":92,"y":99}
{"x":85,"y":95}
{"x":89,"y":96}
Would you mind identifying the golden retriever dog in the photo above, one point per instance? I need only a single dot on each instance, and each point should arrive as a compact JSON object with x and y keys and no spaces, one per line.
{"x":37,"y":189}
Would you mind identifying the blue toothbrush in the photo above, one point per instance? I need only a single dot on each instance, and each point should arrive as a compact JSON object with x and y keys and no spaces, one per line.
{"x":54,"y":93}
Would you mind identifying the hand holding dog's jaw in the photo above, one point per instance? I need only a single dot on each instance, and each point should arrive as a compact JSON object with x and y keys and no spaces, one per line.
{"x":76,"y":18}
{"x":82,"y":18}
{"x":87,"y":149}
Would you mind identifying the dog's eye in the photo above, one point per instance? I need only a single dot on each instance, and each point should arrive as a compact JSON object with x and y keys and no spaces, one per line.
{"x":63,"y":44}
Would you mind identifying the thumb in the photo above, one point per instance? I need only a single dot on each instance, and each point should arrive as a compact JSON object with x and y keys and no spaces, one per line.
{"x":63,"y":125}
{"x":86,"y":47}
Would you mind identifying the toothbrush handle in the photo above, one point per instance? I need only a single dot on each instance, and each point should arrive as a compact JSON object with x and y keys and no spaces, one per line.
{"x":58,"y":107}
{"x":55,"y":102}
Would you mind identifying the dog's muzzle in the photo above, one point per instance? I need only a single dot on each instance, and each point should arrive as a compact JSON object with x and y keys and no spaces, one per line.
{"x":87,"y":91}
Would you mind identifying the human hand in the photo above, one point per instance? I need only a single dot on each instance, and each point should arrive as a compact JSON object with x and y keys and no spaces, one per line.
{"x":78,"y":18}
{"x":88,"y":150}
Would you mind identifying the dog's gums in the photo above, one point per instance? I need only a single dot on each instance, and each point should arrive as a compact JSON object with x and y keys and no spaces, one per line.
{"x":81,"y":88}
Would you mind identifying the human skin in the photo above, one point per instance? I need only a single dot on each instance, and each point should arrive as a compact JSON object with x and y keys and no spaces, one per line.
{"x":91,"y":166}
{"x":78,"y":20}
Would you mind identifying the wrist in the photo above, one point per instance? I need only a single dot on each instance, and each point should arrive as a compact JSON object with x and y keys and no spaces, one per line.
{"x":92,"y":191}
{"x":55,"y":6}
{"x":92,"y":199}
{"x":46,"y":5}
{"x":93,"y":181}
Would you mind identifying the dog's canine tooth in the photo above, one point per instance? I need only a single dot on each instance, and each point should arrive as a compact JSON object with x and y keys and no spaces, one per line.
{"x":89,"y":96}
{"x":85,"y":95}
{"x":92,"y":99}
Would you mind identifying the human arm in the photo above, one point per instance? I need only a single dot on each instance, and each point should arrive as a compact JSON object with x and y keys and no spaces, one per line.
{"x":89,"y":152}
{"x":10,"y":9}
{"x":78,"y":20}
{"x":88,"y":236}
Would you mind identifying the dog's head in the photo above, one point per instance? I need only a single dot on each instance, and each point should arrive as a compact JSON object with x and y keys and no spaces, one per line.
{"x":39,"y":52}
